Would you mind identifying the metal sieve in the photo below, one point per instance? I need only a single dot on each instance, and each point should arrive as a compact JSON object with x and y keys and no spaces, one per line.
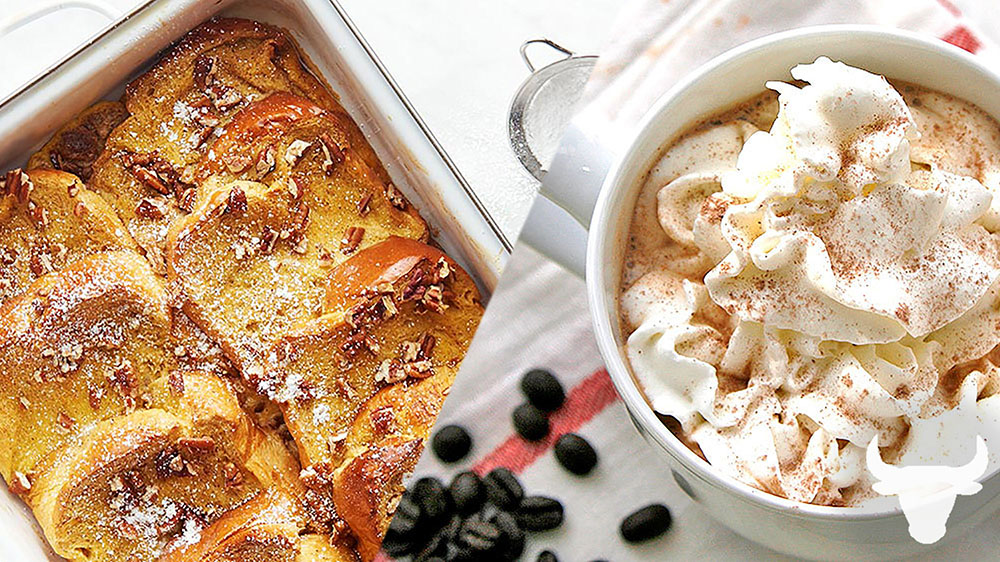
{"x":544,"y":104}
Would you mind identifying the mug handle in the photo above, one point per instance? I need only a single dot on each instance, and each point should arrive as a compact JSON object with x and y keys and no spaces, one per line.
{"x":558,"y":222}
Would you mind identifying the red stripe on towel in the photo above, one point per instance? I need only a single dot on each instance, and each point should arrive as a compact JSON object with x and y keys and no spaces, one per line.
{"x":584,"y":401}
{"x":962,"y":37}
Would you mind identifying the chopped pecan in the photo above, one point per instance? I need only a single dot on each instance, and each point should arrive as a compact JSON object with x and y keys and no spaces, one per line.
{"x":73,"y":189}
{"x":265,"y":161}
{"x":296,"y":187}
{"x":65,"y":422}
{"x":295,"y":151}
{"x":267,"y":240}
{"x":333,"y":154}
{"x":152,"y":209}
{"x":204,"y":71}
{"x":395,"y":198}
{"x":94,"y":396}
{"x":38,"y":215}
{"x":364,"y":205}
{"x":352,"y":239}
{"x":80,"y":210}
{"x":20,"y":484}
{"x":236,"y":202}
{"x":18,"y":184}
{"x":237,"y":163}
{"x":123,"y":379}
{"x":187,"y":199}
{"x":196,"y":445}
{"x":150,"y":179}
{"x":427,"y":343}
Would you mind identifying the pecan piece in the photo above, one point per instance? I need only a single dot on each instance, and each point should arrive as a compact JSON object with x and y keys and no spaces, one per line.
{"x":196,"y":445}
{"x":65,"y":422}
{"x":236,"y":202}
{"x":395,"y":198}
{"x":151,"y":209}
{"x":364,"y":205}
{"x":333,"y":154}
{"x":175,"y":381}
{"x":20,"y":484}
{"x":352,"y":238}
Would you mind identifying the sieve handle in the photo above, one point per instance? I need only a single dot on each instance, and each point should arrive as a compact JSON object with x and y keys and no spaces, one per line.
{"x":548,"y":42}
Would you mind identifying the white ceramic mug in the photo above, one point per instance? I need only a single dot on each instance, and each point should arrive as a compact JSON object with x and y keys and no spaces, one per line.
{"x":804,"y":530}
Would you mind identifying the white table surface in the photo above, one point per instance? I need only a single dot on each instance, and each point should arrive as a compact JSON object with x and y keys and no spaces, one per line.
{"x":457,"y":60}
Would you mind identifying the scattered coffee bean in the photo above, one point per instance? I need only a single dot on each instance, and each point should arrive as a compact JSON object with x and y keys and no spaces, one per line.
{"x":543,"y":390}
{"x":646,"y":523}
{"x":400,"y":537}
{"x":512,"y":545}
{"x":503,"y":489}
{"x":547,"y":556}
{"x":538,"y":513}
{"x":451,"y":443}
{"x":430,"y":495}
{"x":530,"y":422}
{"x":575,"y":454}
{"x":467,"y":492}
{"x":478,"y":535}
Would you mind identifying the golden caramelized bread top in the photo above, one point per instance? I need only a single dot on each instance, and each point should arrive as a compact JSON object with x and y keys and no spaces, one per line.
{"x":48,"y":220}
{"x":75,"y":349}
{"x":252,"y":258}
{"x":238,"y":293}
{"x":149,"y":482}
{"x":414,"y":326}
{"x":75,"y":147}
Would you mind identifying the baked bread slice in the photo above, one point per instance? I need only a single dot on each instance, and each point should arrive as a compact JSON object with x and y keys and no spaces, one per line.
{"x":251,"y":261}
{"x":178,"y":106}
{"x":77,"y":144}
{"x":48,"y":220}
{"x":412,"y":313}
{"x":149,"y":482}
{"x":80,"y":346}
{"x":382,"y":448}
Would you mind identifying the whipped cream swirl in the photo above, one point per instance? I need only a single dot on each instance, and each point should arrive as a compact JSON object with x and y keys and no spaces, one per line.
{"x":835,"y":286}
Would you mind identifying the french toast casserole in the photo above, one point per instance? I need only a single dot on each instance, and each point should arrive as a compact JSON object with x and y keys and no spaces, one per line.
{"x":225,"y":334}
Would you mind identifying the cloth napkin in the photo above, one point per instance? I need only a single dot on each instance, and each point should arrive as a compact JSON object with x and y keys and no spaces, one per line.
{"x":538,"y":316}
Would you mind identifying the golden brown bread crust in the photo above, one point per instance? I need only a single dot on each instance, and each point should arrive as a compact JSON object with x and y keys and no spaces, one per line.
{"x":361,"y":385}
{"x":78,"y":348}
{"x":323,"y":372}
{"x":76,"y":145}
{"x":251,"y":260}
{"x":260,"y":530}
{"x":176,"y":108}
{"x":48,"y":220}
{"x":149,"y":482}
{"x":395,"y":422}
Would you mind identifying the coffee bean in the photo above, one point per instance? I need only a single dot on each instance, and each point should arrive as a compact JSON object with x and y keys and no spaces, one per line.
{"x":538,"y":513}
{"x":478,"y":535}
{"x":407,"y":516}
{"x":575,"y":454}
{"x":467,"y":492}
{"x":646,"y":523}
{"x":547,"y":556}
{"x":451,"y":443}
{"x":503,"y":489}
{"x":530,"y":422}
{"x":430,"y":495}
{"x":512,"y":543}
{"x":543,"y":390}
{"x":395,"y":544}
